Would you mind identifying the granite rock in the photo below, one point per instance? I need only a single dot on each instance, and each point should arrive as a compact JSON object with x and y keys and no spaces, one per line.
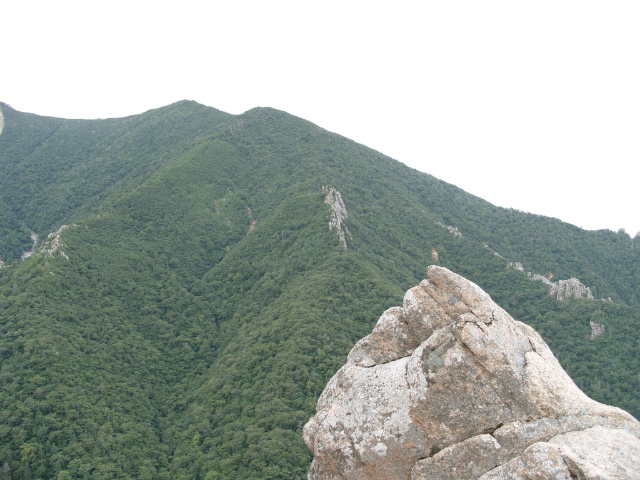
{"x":450,"y":386}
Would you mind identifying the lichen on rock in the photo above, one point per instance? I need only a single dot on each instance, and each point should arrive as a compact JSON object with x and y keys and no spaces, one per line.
{"x":450,"y":386}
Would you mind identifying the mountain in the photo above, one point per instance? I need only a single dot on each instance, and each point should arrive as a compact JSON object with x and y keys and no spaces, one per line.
{"x":193,"y":279}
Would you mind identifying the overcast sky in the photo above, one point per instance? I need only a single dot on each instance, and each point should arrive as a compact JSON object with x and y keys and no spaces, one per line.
{"x":529,"y":105}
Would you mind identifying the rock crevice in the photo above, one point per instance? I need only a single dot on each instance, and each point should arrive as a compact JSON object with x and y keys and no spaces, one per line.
{"x":450,"y":386}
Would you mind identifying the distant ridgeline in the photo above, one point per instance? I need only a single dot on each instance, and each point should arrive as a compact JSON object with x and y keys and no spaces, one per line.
{"x":190,"y":281}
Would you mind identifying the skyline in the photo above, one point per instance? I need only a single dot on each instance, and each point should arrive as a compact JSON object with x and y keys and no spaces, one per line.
{"x":532,"y":107}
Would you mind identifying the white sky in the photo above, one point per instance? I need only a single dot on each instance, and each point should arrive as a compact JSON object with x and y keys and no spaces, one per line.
{"x":530,"y":105}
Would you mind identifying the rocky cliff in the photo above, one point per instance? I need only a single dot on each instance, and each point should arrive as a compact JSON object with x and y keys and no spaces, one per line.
{"x":338,"y":213}
{"x":561,"y":290}
{"x":449,"y":386}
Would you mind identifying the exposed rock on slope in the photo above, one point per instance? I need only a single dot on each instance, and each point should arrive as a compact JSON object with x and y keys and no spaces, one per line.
{"x":338,"y":213}
{"x":572,"y":288}
{"x":54,"y":243}
{"x":597,"y":329}
{"x":563,"y":289}
{"x":454,"y":231}
{"x":449,"y":386}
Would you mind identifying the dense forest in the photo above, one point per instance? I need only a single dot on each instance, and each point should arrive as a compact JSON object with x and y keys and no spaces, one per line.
{"x":173,"y":300}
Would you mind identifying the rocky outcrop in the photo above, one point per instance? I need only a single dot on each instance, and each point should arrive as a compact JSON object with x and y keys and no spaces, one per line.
{"x":1,"y":120}
{"x":338,"y":213}
{"x":53,"y":244}
{"x":597,"y":329}
{"x":572,"y":288}
{"x":561,"y":290}
{"x":453,"y":230}
{"x":533,"y":276}
{"x":449,"y":386}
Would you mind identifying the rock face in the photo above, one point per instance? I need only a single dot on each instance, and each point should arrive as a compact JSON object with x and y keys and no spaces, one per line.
{"x":54,"y":243}
{"x":338,"y":213}
{"x":563,"y":289}
{"x":449,"y":386}
{"x":597,"y":329}
{"x":572,"y":288}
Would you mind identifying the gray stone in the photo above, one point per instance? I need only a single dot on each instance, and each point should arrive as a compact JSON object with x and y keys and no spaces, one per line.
{"x":450,"y":386}
{"x":338,"y":214}
{"x":597,"y":329}
{"x":538,"y":462}
{"x":600,"y":452}
{"x":460,"y":461}
{"x":572,"y":288}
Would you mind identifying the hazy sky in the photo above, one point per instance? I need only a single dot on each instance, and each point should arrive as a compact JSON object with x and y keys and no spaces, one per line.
{"x":530,"y":105}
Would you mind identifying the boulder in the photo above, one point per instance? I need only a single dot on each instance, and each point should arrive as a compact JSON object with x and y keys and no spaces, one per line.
{"x":450,"y":386}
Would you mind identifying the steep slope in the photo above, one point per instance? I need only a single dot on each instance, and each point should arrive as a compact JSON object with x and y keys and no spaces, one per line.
{"x":55,"y":171}
{"x":205,"y":295}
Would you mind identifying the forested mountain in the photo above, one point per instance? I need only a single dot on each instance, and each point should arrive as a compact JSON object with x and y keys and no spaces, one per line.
{"x":208,"y":273}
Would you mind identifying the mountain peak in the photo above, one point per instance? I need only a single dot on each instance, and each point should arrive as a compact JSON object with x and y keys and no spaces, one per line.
{"x":451,"y":386}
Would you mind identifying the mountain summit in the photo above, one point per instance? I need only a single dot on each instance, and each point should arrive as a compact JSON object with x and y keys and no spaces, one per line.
{"x":449,"y":386}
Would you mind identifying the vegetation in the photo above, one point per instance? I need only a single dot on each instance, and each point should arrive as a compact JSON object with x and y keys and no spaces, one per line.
{"x":202,"y":303}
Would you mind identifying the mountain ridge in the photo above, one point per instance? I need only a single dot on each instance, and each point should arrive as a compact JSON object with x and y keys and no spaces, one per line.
{"x":205,"y":302}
